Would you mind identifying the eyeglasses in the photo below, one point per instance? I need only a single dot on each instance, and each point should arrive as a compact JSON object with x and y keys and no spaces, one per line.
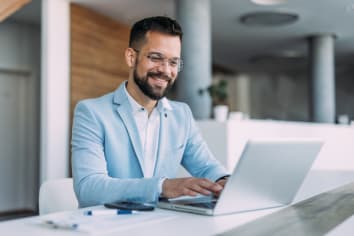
{"x":160,"y":59}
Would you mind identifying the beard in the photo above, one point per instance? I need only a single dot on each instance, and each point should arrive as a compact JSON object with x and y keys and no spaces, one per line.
{"x":153,"y":92}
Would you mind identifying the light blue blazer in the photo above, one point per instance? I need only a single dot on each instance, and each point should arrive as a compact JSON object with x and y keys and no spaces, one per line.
{"x":107,"y":155}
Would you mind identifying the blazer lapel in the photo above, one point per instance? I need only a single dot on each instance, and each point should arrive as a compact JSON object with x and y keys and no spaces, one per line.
{"x":124,"y":111}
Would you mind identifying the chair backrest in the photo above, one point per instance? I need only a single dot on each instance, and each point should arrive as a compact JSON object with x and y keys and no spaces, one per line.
{"x":57,"y":195}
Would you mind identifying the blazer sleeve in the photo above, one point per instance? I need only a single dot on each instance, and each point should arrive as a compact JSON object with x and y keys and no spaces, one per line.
{"x":197,"y":158}
{"x":92,"y":184}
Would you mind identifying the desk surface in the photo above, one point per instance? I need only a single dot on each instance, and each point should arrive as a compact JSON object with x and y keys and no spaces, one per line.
{"x":163,"y":222}
{"x":317,"y":215}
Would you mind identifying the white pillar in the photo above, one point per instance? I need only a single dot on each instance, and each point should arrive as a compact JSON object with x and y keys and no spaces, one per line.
{"x":195,"y":19}
{"x":55,"y":90}
{"x":322,"y":79}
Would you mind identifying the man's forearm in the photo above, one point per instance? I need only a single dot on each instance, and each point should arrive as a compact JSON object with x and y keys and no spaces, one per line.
{"x":100,"y":189}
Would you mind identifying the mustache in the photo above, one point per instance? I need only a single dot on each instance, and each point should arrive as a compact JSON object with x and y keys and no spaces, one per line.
{"x":160,"y":75}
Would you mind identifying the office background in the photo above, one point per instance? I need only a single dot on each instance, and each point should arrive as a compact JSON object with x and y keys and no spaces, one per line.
{"x":54,"y":54}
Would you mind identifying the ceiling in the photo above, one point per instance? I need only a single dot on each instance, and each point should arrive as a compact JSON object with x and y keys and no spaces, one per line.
{"x":239,"y":47}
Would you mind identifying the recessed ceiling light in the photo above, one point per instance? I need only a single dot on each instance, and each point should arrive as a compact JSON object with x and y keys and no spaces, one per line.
{"x":268,"y":2}
{"x":268,"y":18}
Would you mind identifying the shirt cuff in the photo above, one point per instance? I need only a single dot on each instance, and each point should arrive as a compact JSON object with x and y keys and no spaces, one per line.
{"x":223,"y":177}
{"x":161,"y":180}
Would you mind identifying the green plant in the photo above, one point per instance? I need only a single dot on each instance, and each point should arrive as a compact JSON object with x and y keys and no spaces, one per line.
{"x":218,"y":92}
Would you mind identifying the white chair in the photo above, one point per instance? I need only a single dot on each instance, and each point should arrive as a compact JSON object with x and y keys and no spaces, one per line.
{"x":57,"y":195}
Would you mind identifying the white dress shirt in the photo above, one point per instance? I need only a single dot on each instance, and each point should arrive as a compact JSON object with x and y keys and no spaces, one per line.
{"x":149,"y":129}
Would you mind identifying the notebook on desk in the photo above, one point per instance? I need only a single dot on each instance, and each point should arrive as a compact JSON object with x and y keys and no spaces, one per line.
{"x":268,"y":174}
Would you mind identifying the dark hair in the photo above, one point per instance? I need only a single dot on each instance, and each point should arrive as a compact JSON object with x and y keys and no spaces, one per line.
{"x":162,"y":24}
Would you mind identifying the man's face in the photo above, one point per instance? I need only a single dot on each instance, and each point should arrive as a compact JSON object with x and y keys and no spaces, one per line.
{"x":155,"y":69}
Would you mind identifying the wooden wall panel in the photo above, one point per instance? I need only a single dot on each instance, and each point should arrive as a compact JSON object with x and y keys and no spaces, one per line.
{"x":9,"y":7}
{"x":97,"y":54}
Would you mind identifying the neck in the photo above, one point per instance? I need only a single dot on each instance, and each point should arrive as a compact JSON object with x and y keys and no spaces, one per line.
{"x":140,"y":97}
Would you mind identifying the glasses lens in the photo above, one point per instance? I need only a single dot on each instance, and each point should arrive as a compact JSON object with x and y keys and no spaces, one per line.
{"x":159,"y":59}
{"x":180,"y":65}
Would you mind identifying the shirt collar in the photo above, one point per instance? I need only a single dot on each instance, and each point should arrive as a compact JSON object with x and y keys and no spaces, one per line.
{"x":136,"y":107}
{"x":162,"y":104}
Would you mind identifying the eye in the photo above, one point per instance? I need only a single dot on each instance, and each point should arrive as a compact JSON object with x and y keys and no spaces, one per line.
{"x":155,"y":57}
{"x":174,"y":62}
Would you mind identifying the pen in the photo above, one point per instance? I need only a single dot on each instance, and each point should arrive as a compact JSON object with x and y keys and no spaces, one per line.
{"x":62,"y":225}
{"x":108,"y":212}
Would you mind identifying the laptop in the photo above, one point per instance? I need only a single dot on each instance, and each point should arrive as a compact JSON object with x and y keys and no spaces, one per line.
{"x":268,"y":174}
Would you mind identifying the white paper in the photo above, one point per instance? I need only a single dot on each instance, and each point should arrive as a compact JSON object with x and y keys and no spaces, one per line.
{"x":101,"y":224}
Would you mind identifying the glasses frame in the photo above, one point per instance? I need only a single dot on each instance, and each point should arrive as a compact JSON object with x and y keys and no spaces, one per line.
{"x":163,"y":61}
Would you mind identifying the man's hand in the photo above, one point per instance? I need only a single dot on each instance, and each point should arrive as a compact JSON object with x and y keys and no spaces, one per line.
{"x":191,"y":186}
{"x":221,"y":182}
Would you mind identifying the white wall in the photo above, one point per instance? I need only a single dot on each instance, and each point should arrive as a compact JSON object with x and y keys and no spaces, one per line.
{"x":226,"y":140}
{"x":55,"y":90}
{"x":20,"y":61}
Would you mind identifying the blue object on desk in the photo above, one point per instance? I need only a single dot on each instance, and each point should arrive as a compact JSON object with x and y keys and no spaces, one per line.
{"x":108,"y":212}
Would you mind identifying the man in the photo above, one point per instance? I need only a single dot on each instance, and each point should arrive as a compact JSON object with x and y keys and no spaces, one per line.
{"x":128,"y":145}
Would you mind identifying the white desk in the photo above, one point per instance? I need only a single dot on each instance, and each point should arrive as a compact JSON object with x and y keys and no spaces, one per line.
{"x":346,"y":228}
{"x":175,"y":223}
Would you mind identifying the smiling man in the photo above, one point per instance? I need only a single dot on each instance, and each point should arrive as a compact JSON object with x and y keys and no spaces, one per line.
{"x":128,"y":145}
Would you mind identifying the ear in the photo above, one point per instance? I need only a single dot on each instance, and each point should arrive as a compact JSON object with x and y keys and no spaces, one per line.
{"x":130,"y":57}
